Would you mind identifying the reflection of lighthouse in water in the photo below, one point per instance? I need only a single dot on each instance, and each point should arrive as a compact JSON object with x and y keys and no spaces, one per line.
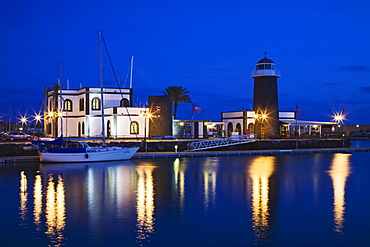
{"x":260,"y":171}
{"x":265,"y":99}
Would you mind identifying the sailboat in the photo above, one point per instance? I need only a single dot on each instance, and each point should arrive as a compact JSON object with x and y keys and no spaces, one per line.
{"x":63,"y":151}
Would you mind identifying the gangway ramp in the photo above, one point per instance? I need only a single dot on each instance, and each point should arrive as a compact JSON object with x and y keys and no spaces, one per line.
{"x":221,"y":142}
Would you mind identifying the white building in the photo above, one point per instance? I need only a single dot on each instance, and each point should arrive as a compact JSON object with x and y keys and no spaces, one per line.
{"x":243,"y":122}
{"x":77,"y":113}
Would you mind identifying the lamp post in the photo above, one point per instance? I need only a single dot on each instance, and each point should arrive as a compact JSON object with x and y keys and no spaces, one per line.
{"x":260,"y":118}
{"x":37,"y":119}
{"x":146,"y":115}
{"x":24,"y":121}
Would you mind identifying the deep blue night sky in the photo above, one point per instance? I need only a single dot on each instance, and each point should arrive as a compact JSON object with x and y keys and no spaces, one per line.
{"x":209,"y":47}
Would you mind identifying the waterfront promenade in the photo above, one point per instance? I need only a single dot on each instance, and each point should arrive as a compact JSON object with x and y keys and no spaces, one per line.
{"x":155,"y":155}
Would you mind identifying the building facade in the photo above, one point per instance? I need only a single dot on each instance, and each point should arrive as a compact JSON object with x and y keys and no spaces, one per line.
{"x":78,"y":113}
{"x":243,"y":122}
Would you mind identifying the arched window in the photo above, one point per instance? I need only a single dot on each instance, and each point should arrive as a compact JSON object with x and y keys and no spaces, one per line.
{"x":82,"y":104}
{"x":124,"y":103}
{"x":238,"y":128}
{"x":134,"y":128}
{"x":229,"y":128}
{"x":251,"y":128}
{"x":83,"y":128}
{"x":95,"y":104}
{"x":67,"y":105}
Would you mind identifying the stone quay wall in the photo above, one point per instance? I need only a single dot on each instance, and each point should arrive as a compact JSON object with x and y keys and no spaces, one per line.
{"x":10,"y":149}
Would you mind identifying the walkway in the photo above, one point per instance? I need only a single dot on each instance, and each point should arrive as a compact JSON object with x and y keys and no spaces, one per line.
{"x":221,"y":142}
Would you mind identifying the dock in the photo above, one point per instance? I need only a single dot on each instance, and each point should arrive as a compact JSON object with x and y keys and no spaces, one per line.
{"x":185,"y":154}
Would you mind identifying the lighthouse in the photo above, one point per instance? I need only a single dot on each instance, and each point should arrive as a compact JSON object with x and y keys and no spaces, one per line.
{"x":265,"y":99}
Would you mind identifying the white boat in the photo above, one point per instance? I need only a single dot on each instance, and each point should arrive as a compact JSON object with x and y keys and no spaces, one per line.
{"x":61,"y":151}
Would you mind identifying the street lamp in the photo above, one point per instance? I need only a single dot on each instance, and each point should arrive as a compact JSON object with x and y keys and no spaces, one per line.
{"x":23,"y":121}
{"x":260,"y":119}
{"x":146,"y":115}
{"x":38,"y":118}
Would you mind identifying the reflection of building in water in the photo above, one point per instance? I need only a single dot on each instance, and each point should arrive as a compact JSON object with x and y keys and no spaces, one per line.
{"x":37,"y":202}
{"x":110,"y":191}
{"x":179,"y":181}
{"x":145,"y":201}
{"x":55,"y":211}
{"x":209,"y":182}
{"x":260,"y":172}
{"x":339,"y":172}
{"x":23,"y":197}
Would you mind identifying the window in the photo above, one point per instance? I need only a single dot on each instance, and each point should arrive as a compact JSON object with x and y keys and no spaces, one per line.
{"x":67,"y":105}
{"x":267,"y":66}
{"x":124,"y":102}
{"x":96,"y":104}
{"x":229,"y":128}
{"x":134,"y":128}
{"x":238,"y":128}
{"x":251,"y":128}
{"x":82,"y":104}
{"x":259,"y":67}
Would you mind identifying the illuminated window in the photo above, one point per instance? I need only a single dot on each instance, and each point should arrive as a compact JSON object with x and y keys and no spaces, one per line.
{"x":67,"y":105}
{"x":95,"y":104}
{"x":134,"y":128}
{"x":124,"y":102}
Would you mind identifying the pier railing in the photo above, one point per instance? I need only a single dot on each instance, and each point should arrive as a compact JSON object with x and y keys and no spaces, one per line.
{"x":221,"y":142}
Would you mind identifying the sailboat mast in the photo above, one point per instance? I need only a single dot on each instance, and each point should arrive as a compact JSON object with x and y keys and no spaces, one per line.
{"x":131,"y":70}
{"x":61,"y":105}
{"x":101,"y":87}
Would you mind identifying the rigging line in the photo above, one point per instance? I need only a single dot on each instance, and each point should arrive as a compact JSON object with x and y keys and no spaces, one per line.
{"x":115,"y":76}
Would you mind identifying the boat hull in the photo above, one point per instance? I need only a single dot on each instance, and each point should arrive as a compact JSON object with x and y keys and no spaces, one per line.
{"x":93,"y":155}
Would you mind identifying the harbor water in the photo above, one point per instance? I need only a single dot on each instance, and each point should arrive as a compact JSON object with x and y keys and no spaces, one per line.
{"x":319,"y":199}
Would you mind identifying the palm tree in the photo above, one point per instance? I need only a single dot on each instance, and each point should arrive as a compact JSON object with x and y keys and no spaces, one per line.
{"x":178,"y":94}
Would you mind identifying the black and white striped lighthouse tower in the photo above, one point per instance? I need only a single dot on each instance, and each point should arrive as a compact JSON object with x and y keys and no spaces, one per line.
{"x":265,"y":99}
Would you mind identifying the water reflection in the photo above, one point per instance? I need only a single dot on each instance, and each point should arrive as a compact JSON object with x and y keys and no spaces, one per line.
{"x":23,"y":198}
{"x":339,"y":172}
{"x":209,"y":183}
{"x":55,"y":211}
{"x":145,"y":201}
{"x":179,"y":182}
{"x":37,"y":202}
{"x":260,"y":171}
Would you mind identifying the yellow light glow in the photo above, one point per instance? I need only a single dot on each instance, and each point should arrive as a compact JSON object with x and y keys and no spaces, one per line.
{"x":38,"y":118}
{"x":23,"y":196}
{"x":339,"y":172}
{"x":145,"y":201}
{"x":60,"y":114}
{"x":264,"y":116}
{"x":50,"y":114}
{"x":23,"y":120}
{"x":260,"y":171}
{"x":55,"y":211}
{"x":37,"y":203}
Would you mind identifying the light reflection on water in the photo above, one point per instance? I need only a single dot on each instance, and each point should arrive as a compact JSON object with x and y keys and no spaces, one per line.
{"x":339,"y":172}
{"x":55,"y":211}
{"x":260,"y":171}
{"x":211,"y":199}
{"x":145,"y":201}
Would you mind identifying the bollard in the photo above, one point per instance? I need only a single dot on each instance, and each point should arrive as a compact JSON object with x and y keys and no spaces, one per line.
{"x":176,"y":148}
